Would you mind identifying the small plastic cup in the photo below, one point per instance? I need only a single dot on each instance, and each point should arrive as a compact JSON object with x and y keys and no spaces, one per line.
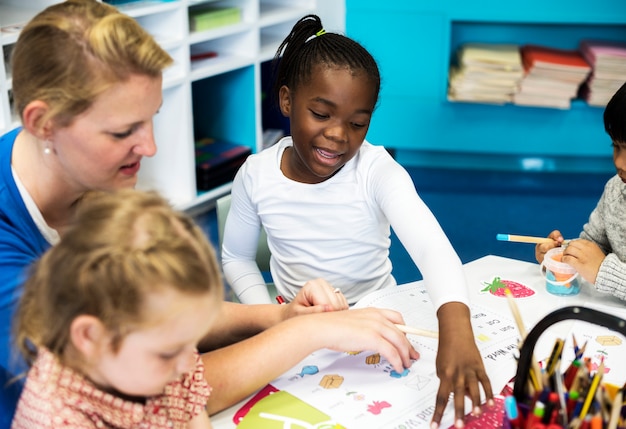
{"x":561,"y":278}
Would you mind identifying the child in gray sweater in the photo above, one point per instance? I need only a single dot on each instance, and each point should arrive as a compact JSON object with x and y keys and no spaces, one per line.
{"x":599,"y":255}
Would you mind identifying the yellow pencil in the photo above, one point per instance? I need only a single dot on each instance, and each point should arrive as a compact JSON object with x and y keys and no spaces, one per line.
{"x":417,"y":331}
{"x":591,"y":393}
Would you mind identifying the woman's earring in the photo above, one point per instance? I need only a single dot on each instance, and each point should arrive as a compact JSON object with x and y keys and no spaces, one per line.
{"x":47,"y":150}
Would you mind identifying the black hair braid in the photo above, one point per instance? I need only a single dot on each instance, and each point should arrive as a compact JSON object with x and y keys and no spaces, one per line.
{"x":615,"y":116}
{"x":303,"y":49}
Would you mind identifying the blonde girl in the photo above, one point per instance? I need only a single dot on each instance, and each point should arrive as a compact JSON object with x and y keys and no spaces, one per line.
{"x":111,"y":317}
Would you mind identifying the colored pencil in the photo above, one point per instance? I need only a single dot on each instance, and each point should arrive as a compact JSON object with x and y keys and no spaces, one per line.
{"x":526,"y":239}
{"x":417,"y":331}
{"x":535,"y":371}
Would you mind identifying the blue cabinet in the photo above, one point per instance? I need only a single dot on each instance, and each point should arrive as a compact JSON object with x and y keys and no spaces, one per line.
{"x":414,"y":43}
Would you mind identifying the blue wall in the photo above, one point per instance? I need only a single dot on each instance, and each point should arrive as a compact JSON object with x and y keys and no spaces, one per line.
{"x":414,"y":42}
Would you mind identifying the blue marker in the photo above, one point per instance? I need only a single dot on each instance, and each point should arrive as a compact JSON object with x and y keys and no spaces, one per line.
{"x":512,"y":412}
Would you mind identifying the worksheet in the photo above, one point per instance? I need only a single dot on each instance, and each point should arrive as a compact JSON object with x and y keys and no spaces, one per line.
{"x":332,"y":390}
{"x":362,"y":390}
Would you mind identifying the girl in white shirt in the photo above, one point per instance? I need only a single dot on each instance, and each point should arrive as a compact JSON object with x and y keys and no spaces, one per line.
{"x":327,"y":199}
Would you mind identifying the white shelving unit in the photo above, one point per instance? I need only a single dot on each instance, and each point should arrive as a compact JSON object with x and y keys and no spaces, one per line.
{"x":217,"y":97}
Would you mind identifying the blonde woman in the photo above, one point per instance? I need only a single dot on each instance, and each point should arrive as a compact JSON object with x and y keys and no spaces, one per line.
{"x":87,"y":83}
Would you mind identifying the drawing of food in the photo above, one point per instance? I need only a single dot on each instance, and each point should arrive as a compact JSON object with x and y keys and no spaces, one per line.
{"x":331,"y":381}
{"x":373,"y":359}
{"x":309,"y":370}
{"x":609,"y":340}
{"x":377,"y":407}
{"x":497,"y":287}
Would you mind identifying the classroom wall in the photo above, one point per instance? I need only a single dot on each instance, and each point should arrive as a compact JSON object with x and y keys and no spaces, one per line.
{"x":333,"y":14}
{"x":414,"y":43}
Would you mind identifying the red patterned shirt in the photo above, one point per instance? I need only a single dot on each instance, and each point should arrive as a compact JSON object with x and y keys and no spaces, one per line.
{"x":56,"y":396}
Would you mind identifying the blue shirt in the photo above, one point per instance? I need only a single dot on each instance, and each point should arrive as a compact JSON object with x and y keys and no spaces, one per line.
{"x":21,"y":243}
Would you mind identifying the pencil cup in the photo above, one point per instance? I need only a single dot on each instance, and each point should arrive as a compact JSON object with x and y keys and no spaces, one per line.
{"x":561,"y":278}
{"x":526,"y":400}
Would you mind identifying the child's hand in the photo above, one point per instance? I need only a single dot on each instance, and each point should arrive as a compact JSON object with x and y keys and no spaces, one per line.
{"x":542,"y":248}
{"x":316,"y":296}
{"x":460,"y":367}
{"x":586,"y":257}
{"x":367,"y":329}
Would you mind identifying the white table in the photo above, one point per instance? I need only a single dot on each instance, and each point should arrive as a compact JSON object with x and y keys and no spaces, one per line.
{"x":532,"y":308}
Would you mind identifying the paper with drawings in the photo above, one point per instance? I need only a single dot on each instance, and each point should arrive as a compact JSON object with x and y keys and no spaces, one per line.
{"x":361,"y":390}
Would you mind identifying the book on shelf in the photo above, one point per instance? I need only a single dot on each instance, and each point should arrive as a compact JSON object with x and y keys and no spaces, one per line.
{"x":204,"y":18}
{"x":217,"y":162}
{"x":534,"y":100}
{"x":540,"y":85}
{"x":493,"y":56}
{"x":552,"y":77}
{"x":536,"y":56}
{"x":608,"y":59}
{"x":486,"y":73}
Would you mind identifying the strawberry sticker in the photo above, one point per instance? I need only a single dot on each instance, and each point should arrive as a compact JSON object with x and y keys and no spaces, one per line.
{"x":497,"y":287}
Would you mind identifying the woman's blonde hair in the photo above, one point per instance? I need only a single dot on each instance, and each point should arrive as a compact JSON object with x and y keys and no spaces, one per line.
{"x":121,"y":246}
{"x":71,"y":52}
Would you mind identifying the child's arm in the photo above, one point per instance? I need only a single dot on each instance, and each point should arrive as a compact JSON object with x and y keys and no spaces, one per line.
{"x":460,"y":366}
{"x":237,"y":371}
{"x":239,"y":246}
{"x":240,"y":321}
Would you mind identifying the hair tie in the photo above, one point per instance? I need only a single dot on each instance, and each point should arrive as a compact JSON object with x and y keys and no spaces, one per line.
{"x":318,"y":34}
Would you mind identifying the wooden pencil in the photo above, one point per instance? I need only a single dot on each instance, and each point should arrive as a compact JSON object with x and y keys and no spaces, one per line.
{"x":616,"y":409}
{"x":417,"y":331}
{"x":535,"y":376}
{"x":526,"y":239}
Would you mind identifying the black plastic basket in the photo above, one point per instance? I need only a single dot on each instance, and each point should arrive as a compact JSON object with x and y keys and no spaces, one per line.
{"x":526,"y":352}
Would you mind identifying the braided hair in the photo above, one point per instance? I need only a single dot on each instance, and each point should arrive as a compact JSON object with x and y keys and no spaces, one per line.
{"x":308,"y":45}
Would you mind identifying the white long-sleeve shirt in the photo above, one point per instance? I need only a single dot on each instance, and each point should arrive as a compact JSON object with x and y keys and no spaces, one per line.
{"x":338,"y":230}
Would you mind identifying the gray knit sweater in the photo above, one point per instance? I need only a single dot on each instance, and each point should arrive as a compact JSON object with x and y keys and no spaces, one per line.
{"x":607,"y":228}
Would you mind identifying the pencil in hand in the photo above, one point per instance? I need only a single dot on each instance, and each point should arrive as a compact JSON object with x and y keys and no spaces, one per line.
{"x":525,"y":239}
{"x":417,"y":331}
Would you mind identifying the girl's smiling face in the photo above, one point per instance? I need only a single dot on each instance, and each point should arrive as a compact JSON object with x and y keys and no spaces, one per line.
{"x":329,"y":118}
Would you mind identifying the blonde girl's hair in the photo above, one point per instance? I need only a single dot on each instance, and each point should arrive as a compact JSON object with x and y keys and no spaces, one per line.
{"x":121,"y":246}
{"x":72,"y":51}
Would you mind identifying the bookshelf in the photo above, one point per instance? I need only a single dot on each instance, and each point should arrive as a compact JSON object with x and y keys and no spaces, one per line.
{"x":414,"y":43}
{"x":217,"y":97}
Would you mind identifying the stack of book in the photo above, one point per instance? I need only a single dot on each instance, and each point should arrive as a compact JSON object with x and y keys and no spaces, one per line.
{"x":486,"y":73}
{"x":552,"y":77}
{"x":207,"y":18}
{"x":608,"y":60}
{"x":217,"y":162}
